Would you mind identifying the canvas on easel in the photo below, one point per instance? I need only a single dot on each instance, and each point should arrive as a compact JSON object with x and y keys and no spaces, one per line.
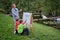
{"x":28,"y":18}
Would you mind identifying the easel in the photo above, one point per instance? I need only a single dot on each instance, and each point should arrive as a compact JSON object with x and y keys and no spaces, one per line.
{"x":28,"y":16}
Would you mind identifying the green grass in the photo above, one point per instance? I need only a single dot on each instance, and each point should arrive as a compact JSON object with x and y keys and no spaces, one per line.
{"x":38,"y":31}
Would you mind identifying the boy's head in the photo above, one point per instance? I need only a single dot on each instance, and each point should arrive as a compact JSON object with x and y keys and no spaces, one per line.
{"x":17,"y":19}
{"x":21,"y":21}
{"x":14,"y":5}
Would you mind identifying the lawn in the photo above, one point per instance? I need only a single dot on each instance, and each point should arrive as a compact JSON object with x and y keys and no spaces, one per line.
{"x":37,"y":32}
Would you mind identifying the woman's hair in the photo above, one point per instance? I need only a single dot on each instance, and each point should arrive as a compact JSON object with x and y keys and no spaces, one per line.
{"x":13,"y":5}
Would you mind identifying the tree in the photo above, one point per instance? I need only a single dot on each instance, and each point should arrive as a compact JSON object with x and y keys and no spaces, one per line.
{"x":32,"y":5}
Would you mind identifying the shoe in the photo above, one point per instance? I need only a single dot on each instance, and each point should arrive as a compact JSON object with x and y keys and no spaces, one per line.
{"x":14,"y":32}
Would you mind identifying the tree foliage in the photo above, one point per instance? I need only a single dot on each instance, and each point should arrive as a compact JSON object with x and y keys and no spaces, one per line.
{"x":32,"y":5}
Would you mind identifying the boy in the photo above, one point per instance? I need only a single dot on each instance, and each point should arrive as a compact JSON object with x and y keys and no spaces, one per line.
{"x":17,"y":23}
{"x":22,"y":28}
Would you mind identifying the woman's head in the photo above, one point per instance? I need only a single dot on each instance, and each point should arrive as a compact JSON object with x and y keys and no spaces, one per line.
{"x":14,"y":5}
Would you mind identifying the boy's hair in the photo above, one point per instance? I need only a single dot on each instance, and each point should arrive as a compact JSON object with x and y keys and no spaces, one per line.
{"x":17,"y":19}
{"x":21,"y":21}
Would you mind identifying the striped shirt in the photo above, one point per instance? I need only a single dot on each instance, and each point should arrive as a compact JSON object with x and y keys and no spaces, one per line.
{"x":15,"y":13}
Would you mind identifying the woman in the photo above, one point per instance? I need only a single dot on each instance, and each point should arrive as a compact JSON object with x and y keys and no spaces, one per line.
{"x":15,"y":14}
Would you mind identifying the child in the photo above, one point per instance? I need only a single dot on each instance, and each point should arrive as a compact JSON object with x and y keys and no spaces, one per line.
{"x":17,"y":23}
{"x":22,"y":28}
